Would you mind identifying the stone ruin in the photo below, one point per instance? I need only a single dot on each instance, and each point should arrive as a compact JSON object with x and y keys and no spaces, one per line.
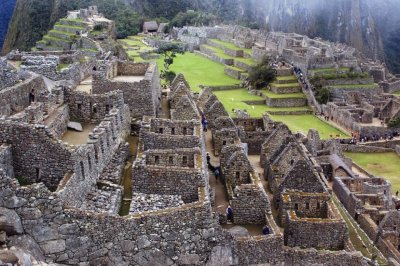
{"x":63,"y":200}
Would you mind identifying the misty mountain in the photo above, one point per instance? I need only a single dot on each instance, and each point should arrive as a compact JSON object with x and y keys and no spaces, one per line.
{"x":372,"y":26}
{"x":6,"y":11}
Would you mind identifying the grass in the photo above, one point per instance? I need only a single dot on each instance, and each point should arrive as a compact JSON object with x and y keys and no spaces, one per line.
{"x":227,"y":44}
{"x":219,"y":52}
{"x":385,"y":165}
{"x":199,"y":70}
{"x":60,"y":67}
{"x":303,"y":123}
{"x":69,"y":26}
{"x":247,"y":61}
{"x":285,"y":85}
{"x":270,"y":94}
{"x":235,"y":99}
{"x":397,"y":93}
{"x":287,"y":78}
{"x":358,"y":238}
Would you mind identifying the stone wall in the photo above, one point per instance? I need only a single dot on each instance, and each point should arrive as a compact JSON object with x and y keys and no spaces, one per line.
{"x":250,"y":204}
{"x":143,"y":97}
{"x":90,"y":108}
{"x":286,"y":102}
{"x":40,"y":157}
{"x":301,"y":232}
{"x":58,"y":121}
{"x":15,"y":99}
{"x":6,"y":160}
{"x":363,"y":148}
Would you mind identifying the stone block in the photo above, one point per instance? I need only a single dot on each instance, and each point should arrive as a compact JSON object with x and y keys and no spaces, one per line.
{"x":10,"y":222}
{"x":54,"y":246}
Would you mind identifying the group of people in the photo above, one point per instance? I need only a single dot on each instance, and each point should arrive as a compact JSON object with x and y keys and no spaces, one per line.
{"x":299,"y":75}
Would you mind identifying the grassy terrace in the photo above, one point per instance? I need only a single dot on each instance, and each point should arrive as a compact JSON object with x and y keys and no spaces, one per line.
{"x":270,"y":94}
{"x":63,"y":32}
{"x":218,"y":51}
{"x":231,"y":46}
{"x":285,"y":85}
{"x":247,"y":61}
{"x":69,"y":26}
{"x":60,"y":67}
{"x":303,"y":123}
{"x":199,"y":70}
{"x":385,"y":165}
{"x":51,"y":38}
{"x":287,"y":78}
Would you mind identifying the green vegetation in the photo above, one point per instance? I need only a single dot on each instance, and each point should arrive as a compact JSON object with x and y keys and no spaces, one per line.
{"x":261,"y":74}
{"x":303,"y":123}
{"x":23,"y":181}
{"x":322,"y":95}
{"x":287,"y":78}
{"x":270,"y":94}
{"x":385,"y":165}
{"x":169,"y":51}
{"x":218,"y":51}
{"x":192,"y":18}
{"x":394,"y":122}
{"x":199,"y":70}
{"x":60,"y":67}
{"x":285,"y":85}
{"x":358,"y":237}
{"x":226,"y":44}
{"x":248,"y":61}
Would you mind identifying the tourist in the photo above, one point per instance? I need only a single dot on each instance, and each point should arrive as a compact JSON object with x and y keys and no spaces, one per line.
{"x":205,"y":125}
{"x":266,"y":230}
{"x":208,"y":157}
{"x":229,"y":214}
{"x":397,"y":193}
{"x":217,"y":172}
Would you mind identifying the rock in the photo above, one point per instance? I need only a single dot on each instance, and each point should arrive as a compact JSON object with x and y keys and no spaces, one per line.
{"x":14,"y":202}
{"x":7,"y":256}
{"x":28,"y":244}
{"x":189,"y":259}
{"x":75,"y":126}
{"x":143,"y":242}
{"x":154,"y":257}
{"x":3,"y":237}
{"x":221,"y":256}
{"x":127,"y":245}
{"x":10,"y":222}
{"x":43,"y":233}
{"x":68,"y":229}
{"x":238,"y":231}
{"x":54,"y":246}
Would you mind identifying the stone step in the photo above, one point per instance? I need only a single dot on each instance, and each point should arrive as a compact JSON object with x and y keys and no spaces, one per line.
{"x":285,"y":88}
{"x":62,"y":35}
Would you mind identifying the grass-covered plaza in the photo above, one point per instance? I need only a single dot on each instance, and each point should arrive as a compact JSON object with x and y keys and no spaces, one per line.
{"x":385,"y":165}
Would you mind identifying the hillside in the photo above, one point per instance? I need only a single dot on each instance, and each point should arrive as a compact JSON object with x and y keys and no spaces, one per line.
{"x":6,"y":10}
{"x":368,"y":25}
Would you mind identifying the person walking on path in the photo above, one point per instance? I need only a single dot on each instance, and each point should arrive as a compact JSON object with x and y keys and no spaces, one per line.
{"x":229,"y":214}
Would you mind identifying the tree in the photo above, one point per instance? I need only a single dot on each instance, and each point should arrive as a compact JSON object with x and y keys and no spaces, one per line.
{"x":169,"y":51}
{"x":321,"y":95}
{"x":262,"y":74}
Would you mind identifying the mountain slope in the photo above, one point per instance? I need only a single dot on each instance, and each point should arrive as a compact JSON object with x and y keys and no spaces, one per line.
{"x":6,"y":11}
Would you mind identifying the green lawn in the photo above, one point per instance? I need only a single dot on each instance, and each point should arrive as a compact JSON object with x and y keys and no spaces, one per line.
{"x":226,"y":44}
{"x":303,"y":123}
{"x":270,"y":94}
{"x":218,"y":51}
{"x":235,"y":99}
{"x":199,"y":70}
{"x":397,"y":93}
{"x":287,"y":78}
{"x":285,"y":85}
{"x":385,"y":165}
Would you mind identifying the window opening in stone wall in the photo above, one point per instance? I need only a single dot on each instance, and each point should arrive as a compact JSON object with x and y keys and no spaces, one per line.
{"x":296,"y":206}
{"x":171,"y":160}
{"x":82,"y":170}
{"x":79,"y":106}
{"x":173,"y":131}
{"x":107,"y":108}
{"x":318,"y":206}
{"x":89,"y":162}
{"x":237,"y":175}
{"x":160,"y":130}
{"x":156,"y":159}
{"x":95,"y":110}
{"x":307,"y":205}
{"x":184,"y":161}
{"x":184,"y":131}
